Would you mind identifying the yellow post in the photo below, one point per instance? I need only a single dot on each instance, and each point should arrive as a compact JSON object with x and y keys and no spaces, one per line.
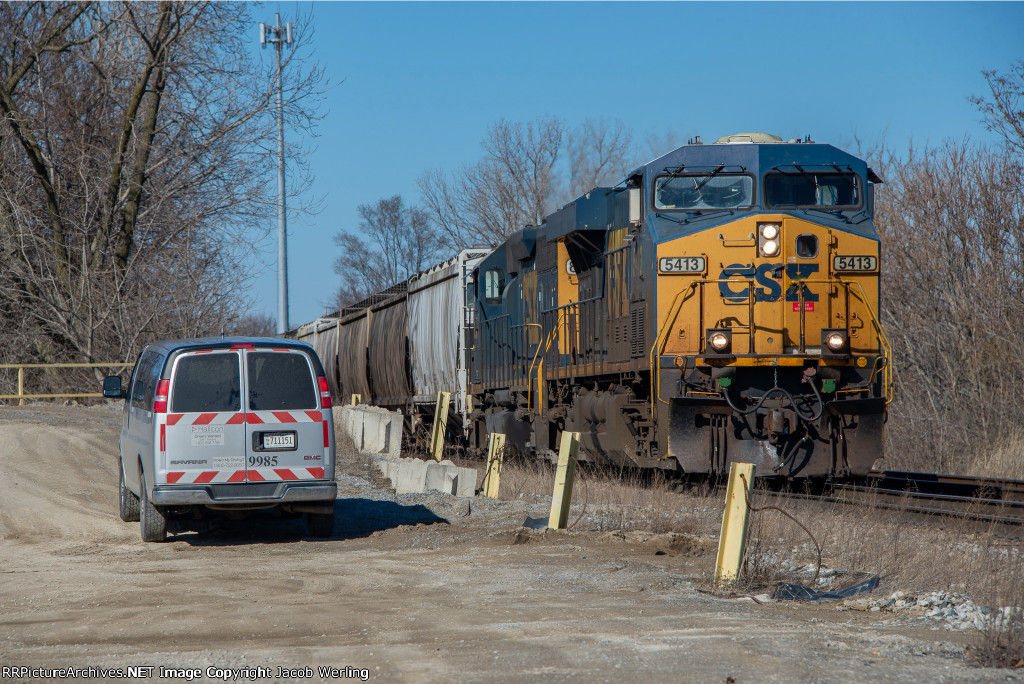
{"x":562,"y":496}
{"x":21,"y":386}
{"x":734,"y":524}
{"x":440,"y":425}
{"x":495,"y":455}
{"x":357,"y":399}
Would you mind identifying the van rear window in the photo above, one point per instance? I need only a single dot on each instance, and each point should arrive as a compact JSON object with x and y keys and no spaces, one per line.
{"x":206,"y":383}
{"x":279,"y":381}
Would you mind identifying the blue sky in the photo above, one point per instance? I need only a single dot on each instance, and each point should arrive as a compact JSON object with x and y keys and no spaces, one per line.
{"x":420,"y":83}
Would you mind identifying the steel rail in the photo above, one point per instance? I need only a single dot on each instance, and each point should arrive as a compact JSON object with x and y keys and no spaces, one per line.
{"x":910,"y":508}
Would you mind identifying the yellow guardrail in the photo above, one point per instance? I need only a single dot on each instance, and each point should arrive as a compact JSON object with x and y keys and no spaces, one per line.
{"x":21,"y":396}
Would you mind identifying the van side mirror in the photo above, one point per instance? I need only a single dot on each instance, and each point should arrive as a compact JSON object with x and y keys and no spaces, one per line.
{"x":112,"y":388}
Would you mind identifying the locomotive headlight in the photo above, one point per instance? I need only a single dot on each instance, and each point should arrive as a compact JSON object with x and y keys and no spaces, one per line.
{"x":768,"y":239}
{"x":835,"y":342}
{"x":719,"y":341}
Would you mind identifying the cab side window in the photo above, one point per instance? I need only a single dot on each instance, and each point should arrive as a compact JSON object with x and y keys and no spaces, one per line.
{"x":494,"y":286}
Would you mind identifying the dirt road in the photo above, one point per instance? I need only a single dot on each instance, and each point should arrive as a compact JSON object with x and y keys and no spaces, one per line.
{"x":422,"y":588}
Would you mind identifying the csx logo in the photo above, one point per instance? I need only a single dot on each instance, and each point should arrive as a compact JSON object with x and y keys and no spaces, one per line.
{"x":768,"y":277}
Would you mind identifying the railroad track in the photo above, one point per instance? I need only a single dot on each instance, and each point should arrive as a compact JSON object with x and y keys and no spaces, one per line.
{"x":975,"y":498}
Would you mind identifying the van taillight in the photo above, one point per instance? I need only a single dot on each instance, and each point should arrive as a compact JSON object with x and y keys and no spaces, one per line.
{"x":325,"y":392}
{"x":160,"y":401}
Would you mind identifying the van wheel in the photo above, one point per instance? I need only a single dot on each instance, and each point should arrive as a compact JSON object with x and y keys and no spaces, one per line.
{"x":320,"y":524}
{"x":154,"y":522}
{"x":128,"y":503}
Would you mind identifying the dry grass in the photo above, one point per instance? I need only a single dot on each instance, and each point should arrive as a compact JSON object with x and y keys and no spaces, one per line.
{"x":999,"y":455}
{"x":907,"y":552}
{"x":1001,"y":643}
{"x":954,"y":555}
{"x":903,"y":550}
{"x":603,"y":499}
{"x":1004,"y":459}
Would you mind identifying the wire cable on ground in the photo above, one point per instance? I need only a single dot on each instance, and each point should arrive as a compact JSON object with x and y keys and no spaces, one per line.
{"x":817,"y":546}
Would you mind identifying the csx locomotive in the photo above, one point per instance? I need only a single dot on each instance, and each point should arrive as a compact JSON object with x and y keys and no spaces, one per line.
{"x":718,"y":305}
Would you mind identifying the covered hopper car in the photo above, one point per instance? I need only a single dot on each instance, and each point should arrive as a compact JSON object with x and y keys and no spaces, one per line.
{"x":400,"y":347}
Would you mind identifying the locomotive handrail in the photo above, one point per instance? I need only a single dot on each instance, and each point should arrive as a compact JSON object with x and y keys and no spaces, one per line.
{"x":887,"y":380}
{"x":547,"y":347}
{"x":673,"y":311}
{"x":883,"y":340}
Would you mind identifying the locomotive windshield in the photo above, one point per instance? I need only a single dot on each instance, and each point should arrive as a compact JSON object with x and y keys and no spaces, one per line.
{"x":801,"y":188}
{"x":703,"y":191}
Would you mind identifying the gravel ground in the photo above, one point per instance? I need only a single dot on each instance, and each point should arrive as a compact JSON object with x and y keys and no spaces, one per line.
{"x":417,"y":588}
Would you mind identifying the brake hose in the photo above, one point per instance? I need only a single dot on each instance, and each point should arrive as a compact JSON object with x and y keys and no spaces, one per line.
{"x":777,"y":389}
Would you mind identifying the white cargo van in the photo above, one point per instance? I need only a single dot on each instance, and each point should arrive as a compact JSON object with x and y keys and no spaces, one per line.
{"x":229,"y":424}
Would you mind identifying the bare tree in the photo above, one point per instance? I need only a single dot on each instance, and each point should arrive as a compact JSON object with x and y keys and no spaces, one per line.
{"x":1004,"y":112}
{"x":951,"y":220}
{"x":253,"y":325}
{"x":393,"y":242}
{"x":952,"y":225}
{"x":528,"y":170}
{"x":132,"y":138}
{"x":661,"y":143}
{"x":600,"y":153}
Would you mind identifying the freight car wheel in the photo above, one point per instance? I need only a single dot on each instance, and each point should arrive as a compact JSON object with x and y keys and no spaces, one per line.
{"x":154,"y":521}
{"x":128,"y":503}
{"x":320,"y":524}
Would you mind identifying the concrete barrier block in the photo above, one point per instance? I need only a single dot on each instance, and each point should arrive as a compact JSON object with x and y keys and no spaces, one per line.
{"x":465,"y":482}
{"x":352,"y":424}
{"x":441,"y":478}
{"x":411,"y":477}
{"x":373,"y":433}
{"x":393,"y":435}
{"x":388,"y":469}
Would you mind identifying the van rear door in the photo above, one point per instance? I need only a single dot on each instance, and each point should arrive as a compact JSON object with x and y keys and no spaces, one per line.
{"x":285,"y":435}
{"x":205,"y":423}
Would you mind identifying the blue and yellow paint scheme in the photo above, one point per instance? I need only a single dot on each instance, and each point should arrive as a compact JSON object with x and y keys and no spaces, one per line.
{"x":719,"y":305}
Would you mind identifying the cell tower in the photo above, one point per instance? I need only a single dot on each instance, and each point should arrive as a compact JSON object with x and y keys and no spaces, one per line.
{"x":279,"y":36}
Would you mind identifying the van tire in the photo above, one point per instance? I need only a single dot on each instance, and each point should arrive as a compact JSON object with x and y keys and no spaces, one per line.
{"x":128,"y":503}
{"x":320,"y":524}
{"x":154,"y":522}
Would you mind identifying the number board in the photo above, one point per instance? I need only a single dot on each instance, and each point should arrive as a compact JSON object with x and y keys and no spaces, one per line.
{"x":690,"y":264}
{"x":854,"y":263}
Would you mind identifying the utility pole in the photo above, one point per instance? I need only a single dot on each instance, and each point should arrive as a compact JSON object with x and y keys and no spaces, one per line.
{"x":279,"y":36}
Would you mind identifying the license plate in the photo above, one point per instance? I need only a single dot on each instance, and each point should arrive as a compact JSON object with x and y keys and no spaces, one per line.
{"x":284,"y":440}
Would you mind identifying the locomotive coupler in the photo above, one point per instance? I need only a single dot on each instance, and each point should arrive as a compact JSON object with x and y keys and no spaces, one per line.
{"x":777,"y":424}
